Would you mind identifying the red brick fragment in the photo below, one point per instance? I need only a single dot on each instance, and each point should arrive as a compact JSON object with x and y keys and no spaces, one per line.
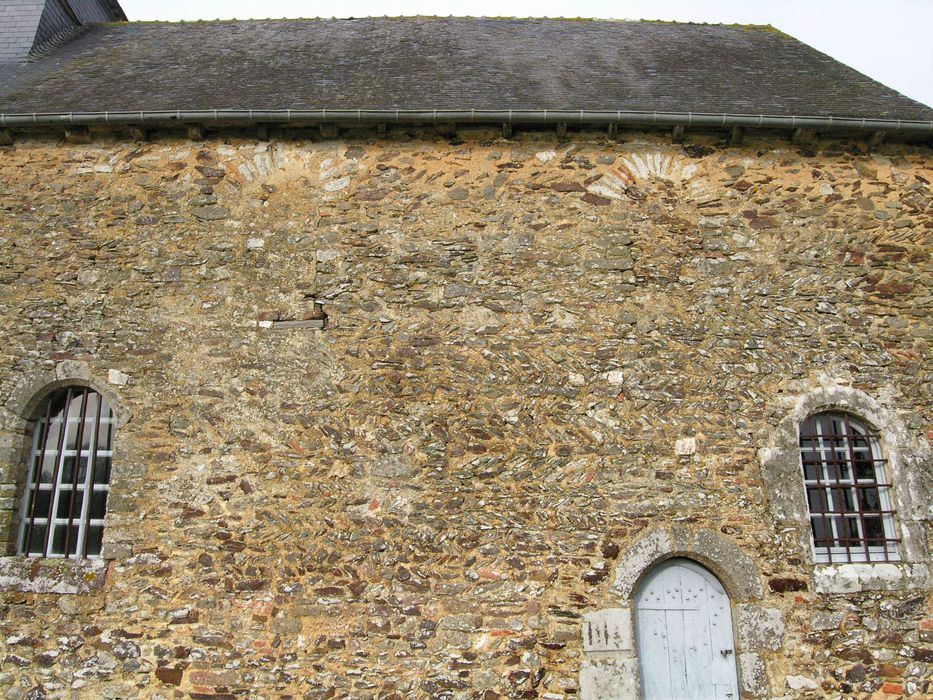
{"x":784,"y":585}
{"x":169,"y":675}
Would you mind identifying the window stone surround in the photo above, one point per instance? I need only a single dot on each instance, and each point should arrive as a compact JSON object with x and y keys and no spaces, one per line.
{"x":47,"y":575}
{"x":907,"y":468}
{"x":17,"y":418}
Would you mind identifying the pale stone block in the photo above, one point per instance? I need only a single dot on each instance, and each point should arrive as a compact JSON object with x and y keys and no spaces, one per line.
{"x":392,"y":466}
{"x":117,"y":378}
{"x":800,"y":683}
{"x":60,"y":576}
{"x":686,"y":446}
{"x":616,"y":679}
{"x":88,"y":276}
{"x":478,"y":319}
{"x":608,"y":630}
{"x":823,"y":621}
{"x":338,"y":184}
{"x":72,"y":369}
{"x":761,"y":629}
{"x":615,"y":377}
{"x":853,"y":578}
{"x":752,"y":676}
{"x":246,"y":172}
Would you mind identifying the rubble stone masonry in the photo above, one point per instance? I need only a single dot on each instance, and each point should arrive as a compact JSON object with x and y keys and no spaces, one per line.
{"x":400,"y":416}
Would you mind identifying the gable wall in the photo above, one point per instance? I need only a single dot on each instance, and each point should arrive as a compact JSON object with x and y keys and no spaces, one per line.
{"x":536,"y":355}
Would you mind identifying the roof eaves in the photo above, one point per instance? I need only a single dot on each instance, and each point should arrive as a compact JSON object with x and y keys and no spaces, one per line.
{"x":472,"y":116}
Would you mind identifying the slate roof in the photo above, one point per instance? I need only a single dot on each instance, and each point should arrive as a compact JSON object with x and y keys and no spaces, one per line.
{"x":455,"y":64}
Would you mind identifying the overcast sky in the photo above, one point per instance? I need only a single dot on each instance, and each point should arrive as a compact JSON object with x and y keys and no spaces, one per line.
{"x":890,"y":41}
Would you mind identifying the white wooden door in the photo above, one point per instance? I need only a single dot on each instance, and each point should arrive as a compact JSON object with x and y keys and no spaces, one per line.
{"x":686,"y":650}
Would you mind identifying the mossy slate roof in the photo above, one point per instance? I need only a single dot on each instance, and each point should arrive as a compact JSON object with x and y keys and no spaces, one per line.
{"x":433,"y":63}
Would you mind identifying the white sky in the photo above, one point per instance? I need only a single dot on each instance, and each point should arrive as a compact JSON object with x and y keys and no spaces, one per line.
{"x":891,"y":41}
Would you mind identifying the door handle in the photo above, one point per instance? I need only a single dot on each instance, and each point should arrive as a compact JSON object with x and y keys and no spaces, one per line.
{"x":725,"y":653}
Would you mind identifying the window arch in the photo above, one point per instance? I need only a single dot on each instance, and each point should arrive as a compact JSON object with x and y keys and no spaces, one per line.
{"x":847,"y":491}
{"x":67,"y":483}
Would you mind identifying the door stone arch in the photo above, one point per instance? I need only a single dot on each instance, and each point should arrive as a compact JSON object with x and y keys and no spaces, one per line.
{"x":610,"y":670}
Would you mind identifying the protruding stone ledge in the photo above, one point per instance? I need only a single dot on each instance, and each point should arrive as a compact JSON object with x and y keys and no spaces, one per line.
{"x":58,"y":576}
{"x":315,"y":323}
{"x":315,"y":319}
{"x":855,"y":578}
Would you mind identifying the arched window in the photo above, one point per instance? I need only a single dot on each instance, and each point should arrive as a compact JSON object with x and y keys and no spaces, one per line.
{"x":848,"y":495}
{"x":65,"y":496}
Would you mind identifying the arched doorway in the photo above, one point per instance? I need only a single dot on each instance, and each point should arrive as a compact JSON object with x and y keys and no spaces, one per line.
{"x":686,"y":648}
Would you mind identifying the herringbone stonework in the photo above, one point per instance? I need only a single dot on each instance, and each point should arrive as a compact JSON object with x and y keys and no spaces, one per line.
{"x":537,"y":355}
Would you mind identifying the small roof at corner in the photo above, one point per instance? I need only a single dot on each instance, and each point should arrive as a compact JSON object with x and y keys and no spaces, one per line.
{"x":461,"y":64}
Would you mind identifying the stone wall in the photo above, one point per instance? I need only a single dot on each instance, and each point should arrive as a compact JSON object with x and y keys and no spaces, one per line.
{"x":544,"y":367}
